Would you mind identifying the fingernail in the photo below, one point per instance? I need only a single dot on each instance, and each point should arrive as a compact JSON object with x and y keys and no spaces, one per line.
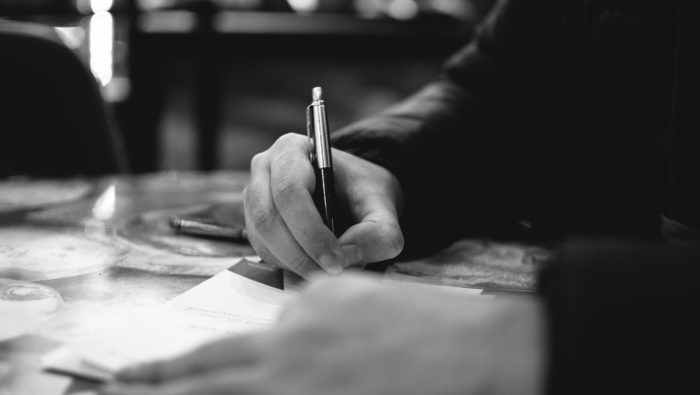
{"x":331,"y":263}
{"x":352,"y":254}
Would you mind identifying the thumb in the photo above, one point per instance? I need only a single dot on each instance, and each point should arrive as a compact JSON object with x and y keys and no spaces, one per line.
{"x":377,"y":237}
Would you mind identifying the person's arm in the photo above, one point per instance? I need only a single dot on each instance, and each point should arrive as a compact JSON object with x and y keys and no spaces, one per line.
{"x":465,"y":145}
{"x":622,"y":319}
{"x":464,"y":150}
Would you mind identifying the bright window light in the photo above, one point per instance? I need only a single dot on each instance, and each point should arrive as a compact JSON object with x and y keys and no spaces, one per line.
{"x":101,"y":5}
{"x":303,"y":6}
{"x":101,"y":44}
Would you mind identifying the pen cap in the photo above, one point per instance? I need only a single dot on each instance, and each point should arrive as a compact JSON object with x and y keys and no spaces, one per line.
{"x":319,"y":127}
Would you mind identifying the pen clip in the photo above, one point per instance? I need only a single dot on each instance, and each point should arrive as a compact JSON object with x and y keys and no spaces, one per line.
{"x":310,"y":133}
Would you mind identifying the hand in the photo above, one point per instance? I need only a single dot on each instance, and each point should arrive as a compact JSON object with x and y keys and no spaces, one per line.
{"x":353,"y":335}
{"x":285,"y":228}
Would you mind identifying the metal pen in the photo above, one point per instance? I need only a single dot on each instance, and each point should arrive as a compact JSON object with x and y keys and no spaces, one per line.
{"x":320,"y":156}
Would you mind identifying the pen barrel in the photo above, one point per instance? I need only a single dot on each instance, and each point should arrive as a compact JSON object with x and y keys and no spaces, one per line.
{"x":206,"y":229}
{"x":323,"y":195}
{"x":321,"y":145}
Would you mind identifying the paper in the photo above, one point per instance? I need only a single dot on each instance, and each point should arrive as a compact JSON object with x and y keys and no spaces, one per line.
{"x":225,"y":304}
{"x":222,"y":305}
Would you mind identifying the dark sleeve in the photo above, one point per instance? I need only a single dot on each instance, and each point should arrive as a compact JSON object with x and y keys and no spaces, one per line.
{"x":460,"y":147}
{"x":623,"y":319}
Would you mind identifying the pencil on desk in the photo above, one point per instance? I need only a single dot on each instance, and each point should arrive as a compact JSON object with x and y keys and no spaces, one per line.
{"x":205,"y":229}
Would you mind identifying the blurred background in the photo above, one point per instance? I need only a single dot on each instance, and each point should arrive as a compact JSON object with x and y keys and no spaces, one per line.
{"x":206,"y":84}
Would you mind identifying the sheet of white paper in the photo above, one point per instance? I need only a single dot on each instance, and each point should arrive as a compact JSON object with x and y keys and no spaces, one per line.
{"x":222,"y":305}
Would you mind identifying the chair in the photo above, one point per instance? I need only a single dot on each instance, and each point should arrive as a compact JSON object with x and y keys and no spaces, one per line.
{"x":53,"y":120}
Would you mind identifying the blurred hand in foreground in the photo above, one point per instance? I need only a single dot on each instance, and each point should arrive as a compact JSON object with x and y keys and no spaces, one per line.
{"x":351,"y":335}
{"x":286,"y":229}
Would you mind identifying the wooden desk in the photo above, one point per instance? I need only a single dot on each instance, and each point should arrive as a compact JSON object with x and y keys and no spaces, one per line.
{"x":109,"y":250}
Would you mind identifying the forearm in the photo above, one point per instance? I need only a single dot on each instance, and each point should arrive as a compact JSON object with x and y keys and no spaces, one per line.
{"x":425,"y":143}
{"x":465,"y":146}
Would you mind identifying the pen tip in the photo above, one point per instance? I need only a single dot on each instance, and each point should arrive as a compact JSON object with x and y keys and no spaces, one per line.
{"x":317,"y":93}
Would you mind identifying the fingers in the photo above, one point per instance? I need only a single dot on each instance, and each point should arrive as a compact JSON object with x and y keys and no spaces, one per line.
{"x":377,"y":236}
{"x":267,"y":232}
{"x":282,"y":221}
{"x":292,"y":183}
{"x":222,"y":382}
{"x":240,"y":350}
{"x":286,"y":228}
{"x":371,"y":240}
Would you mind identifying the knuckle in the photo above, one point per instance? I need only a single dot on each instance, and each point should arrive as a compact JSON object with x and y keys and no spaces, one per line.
{"x":288,"y":143}
{"x":286,"y":190}
{"x":284,"y":161}
{"x":262,"y":219}
{"x":257,"y":215}
{"x":287,"y":139}
{"x":258,"y":160}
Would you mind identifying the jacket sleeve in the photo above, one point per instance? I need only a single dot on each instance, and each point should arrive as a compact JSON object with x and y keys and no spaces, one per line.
{"x":464,"y":146}
{"x":622,"y":318}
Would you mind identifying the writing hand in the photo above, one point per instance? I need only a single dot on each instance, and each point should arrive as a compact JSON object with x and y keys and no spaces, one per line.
{"x":286,"y":229}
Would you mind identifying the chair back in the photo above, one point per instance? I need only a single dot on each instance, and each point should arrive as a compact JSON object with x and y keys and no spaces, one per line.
{"x":53,"y":119}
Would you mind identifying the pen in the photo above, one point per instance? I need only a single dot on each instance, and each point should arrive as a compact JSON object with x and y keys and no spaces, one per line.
{"x":320,"y":156}
{"x":205,"y":229}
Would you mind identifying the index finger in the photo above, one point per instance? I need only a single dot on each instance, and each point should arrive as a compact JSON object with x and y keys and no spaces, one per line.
{"x":292,"y":184}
